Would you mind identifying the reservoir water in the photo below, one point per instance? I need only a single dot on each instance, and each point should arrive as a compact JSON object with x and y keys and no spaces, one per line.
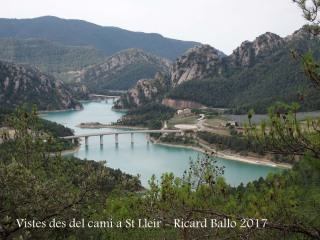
{"x":142,"y":157}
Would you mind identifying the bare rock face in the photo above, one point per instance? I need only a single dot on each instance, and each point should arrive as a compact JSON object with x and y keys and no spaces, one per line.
{"x":197,"y":63}
{"x":145,"y":91}
{"x":245,"y":55}
{"x":21,"y":84}
{"x":181,"y":103}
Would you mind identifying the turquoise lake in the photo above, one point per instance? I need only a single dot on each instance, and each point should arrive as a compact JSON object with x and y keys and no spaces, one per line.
{"x":142,"y":157}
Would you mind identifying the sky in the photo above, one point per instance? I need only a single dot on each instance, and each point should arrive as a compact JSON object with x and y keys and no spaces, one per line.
{"x":222,"y":24}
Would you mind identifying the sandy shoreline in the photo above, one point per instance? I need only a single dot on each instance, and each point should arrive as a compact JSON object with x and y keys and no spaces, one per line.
{"x":232,"y":157}
{"x":71,"y":151}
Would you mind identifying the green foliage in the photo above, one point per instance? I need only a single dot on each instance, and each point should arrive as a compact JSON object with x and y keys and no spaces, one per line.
{"x":180,"y":198}
{"x":42,"y":187}
{"x":235,"y":142}
{"x":310,"y":68}
{"x":123,"y":70}
{"x":47,"y":127}
{"x":123,"y":80}
{"x":48,"y":56}
{"x":310,"y":9}
{"x":154,"y":124}
{"x":152,"y":114}
{"x":35,"y":185}
{"x":291,"y":197}
{"x":172,"y":139}
{"x":282,"y":133}
{"x":108,"y":40}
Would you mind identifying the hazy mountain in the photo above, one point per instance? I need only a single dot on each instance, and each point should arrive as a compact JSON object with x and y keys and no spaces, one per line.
{"x":108,"y":40}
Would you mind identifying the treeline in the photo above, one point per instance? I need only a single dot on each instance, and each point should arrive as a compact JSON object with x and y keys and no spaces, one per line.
{"x":234,"y":142}
{"x":49,"y":129}
{"x":123,"y":70}
{"x":150,"y":115}
{"x":57,"y":130}
{"x":122,"y":79}
{"x":173,"y":139}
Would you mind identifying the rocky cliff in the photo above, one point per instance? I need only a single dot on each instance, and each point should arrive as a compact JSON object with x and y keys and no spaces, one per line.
{"x":264,"y":45}
{"x":198,"y":62}
{"x":145,"y":91}
{"x":22,"y":84}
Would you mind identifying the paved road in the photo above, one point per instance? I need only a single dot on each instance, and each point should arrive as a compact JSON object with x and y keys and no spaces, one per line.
{"x":200,"y":122}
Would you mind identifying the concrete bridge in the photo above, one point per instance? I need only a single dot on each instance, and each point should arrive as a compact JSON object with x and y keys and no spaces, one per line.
{"x":116,"y":134}
{"x":103,"y":97}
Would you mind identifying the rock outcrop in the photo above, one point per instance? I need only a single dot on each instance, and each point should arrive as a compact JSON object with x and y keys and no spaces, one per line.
{"x":145,"y":91}
{"x":197,"y":63}
{"x":21,"y":84}
{"x":263,"y":45}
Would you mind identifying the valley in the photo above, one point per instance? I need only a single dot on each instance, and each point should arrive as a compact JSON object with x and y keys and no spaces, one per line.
{"x":112,"y":127}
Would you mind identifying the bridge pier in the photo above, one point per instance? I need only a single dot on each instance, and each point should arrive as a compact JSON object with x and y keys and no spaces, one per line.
{"x":116,"y":134}
{"x":72,"y":140}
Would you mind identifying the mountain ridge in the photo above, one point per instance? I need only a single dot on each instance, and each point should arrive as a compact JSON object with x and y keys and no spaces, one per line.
{"x":255,"y":75}
{"x":122,"y":70}
{"x":79,"y":32}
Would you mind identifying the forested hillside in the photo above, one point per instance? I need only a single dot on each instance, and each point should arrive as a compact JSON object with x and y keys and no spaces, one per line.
{"x":48,"y":56}
{"x":256,"y":74}
{"x":122,"y":70}
{"x":108,"y":40}
{"x":267,"y":79}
